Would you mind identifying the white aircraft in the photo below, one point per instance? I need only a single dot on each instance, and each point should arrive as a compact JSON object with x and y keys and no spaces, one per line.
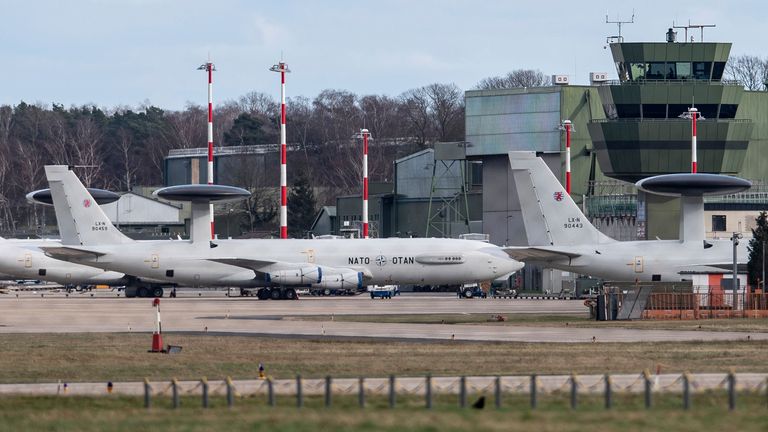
{"x":279,"y":265}
{"x":561,"y":237}
{"x":23,"y":259}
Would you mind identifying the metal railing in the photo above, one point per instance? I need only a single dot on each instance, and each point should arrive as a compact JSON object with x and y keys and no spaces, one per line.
{"x":496,"y":387}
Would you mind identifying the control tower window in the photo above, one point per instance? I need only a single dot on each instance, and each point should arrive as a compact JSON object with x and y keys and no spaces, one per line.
{"x":701,"y":70}
{"x":638,"y":70}
{"x":657,"y":71}
{"x":628,"y":110}
{"x":708,"y":111}
{"x":717,"y":71}
{"x":654,"y":111}
{"x":728,"y":111}
{"x":621,"y":68}
{"x":683,"y":70}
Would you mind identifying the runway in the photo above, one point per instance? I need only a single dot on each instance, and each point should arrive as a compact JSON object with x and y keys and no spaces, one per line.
{"x":247,"y":316}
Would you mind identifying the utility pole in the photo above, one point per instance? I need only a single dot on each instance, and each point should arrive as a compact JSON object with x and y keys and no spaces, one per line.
{"x":735,"y":240}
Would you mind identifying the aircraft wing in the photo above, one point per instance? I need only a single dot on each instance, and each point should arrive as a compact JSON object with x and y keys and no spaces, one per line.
{"x":531,"y":253}
{"x":68,"y":253}
{"x":267,"y":266}
{"x":250,"y":264}
{"x":727,"y":266}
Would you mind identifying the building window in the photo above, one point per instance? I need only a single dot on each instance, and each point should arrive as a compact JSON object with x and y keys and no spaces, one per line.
{"x":628,"y":110}
{"x":701,"y":70}
{"x":717,"y":71}
{"x":718,"y":222}
{"x":728,"y":111}
{"x":654,"y":111}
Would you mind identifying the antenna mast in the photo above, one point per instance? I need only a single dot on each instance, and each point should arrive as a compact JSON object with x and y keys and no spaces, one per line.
{"x":618,"y":38}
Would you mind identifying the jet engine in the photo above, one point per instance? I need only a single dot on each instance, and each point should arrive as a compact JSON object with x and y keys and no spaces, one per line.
{"x":352,"y":280}
{"x":299,"y":276}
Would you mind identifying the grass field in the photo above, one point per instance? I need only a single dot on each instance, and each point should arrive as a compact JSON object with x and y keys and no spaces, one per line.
{"x":122,"y":357}
{"x":580,"y":321}
{"x":709,"y":412}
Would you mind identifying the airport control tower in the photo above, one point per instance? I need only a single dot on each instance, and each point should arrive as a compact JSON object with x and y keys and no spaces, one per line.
{"x":643,"y":134}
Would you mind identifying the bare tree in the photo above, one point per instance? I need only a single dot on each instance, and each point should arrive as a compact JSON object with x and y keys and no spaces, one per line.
{"x":751,"y":71}
{"x":516,"y":78}
{"x":127,"y":158}
{"x":189,"y":126}
{"x":447,"y":107}
{"x":414,"y":106}
{"x":87,"y":149}
{"x":259,"y":103}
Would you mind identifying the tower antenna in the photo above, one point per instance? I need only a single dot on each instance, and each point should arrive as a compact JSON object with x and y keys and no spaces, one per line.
{"x":618,"y":38}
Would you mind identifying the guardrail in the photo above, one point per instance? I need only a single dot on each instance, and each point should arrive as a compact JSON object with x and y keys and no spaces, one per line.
{"x":535,"y":386}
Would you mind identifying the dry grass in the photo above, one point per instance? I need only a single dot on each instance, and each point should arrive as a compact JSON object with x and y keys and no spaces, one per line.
{"x":120,"y":357}
{"x":126,"y":414}
{"x":580,"y":320}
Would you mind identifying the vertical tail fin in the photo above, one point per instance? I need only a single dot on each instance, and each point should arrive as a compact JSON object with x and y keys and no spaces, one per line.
{"x":550,"y":215}
{"x":81,"y":220}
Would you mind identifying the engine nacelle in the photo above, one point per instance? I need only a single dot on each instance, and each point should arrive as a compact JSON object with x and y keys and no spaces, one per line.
{"x":299,"y":276}
{"x":341,"y":280}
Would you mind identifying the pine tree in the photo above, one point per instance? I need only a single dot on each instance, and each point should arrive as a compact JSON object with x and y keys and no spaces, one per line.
{"x":302,"y":207}
{"x":759,"y":235}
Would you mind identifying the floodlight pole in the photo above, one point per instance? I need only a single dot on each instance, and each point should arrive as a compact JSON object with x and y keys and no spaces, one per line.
{"x":365,"y":134}
{"x":209,"y":67}
{"x":735,"y":240}
{"x":282,"y":68}
{"x":567,"y":127}
{"x":693,"y":114}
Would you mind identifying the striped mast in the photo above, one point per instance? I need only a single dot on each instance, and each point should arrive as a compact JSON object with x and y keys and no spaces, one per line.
{"x":567,"y":127}
{"x":365,"y":134}
{"x":209,"y":67}
{"x":282,"y":68}
{"x":694,"y":114}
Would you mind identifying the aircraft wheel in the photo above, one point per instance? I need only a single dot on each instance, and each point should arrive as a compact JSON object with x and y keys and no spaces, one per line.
{"x":143,"y":292}
{"x":264,"y":294}
{"x":157,"y":292}
{"x":275,"y":294}
{"x":327,"y":292}
{"x":290,"y":294}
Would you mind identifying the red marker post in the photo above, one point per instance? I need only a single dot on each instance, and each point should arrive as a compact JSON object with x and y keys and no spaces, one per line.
{"x":157,"y":336}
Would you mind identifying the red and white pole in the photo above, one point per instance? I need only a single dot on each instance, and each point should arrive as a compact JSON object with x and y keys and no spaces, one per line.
{"x":365,"y":134}
{"x":567,"y":126}
{"x":209,"y":67}
{"x":694,"y":113}
{"x":157,"y":336}
{"x":283,"y":68}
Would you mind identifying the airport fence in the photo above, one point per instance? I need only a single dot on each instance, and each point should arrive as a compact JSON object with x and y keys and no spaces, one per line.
{"x":495,"y":388}
{"x":696,"y":305}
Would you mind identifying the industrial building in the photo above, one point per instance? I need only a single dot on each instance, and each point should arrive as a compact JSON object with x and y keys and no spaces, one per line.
{"x":625,"y":130}
{"x":436,"y":193}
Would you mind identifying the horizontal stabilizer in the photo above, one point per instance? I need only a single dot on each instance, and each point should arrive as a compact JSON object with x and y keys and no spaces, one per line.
{"x":523,"y":253}
{"x":67,"y":253}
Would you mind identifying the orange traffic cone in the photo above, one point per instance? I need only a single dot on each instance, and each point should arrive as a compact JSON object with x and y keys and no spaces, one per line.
{"x":157,"y":342}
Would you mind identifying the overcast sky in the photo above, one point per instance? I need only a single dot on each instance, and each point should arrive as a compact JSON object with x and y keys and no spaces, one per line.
{"x":128,"y":52}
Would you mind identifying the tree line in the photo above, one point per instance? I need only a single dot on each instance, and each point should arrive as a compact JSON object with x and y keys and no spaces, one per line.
{"x":122,"y":147}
